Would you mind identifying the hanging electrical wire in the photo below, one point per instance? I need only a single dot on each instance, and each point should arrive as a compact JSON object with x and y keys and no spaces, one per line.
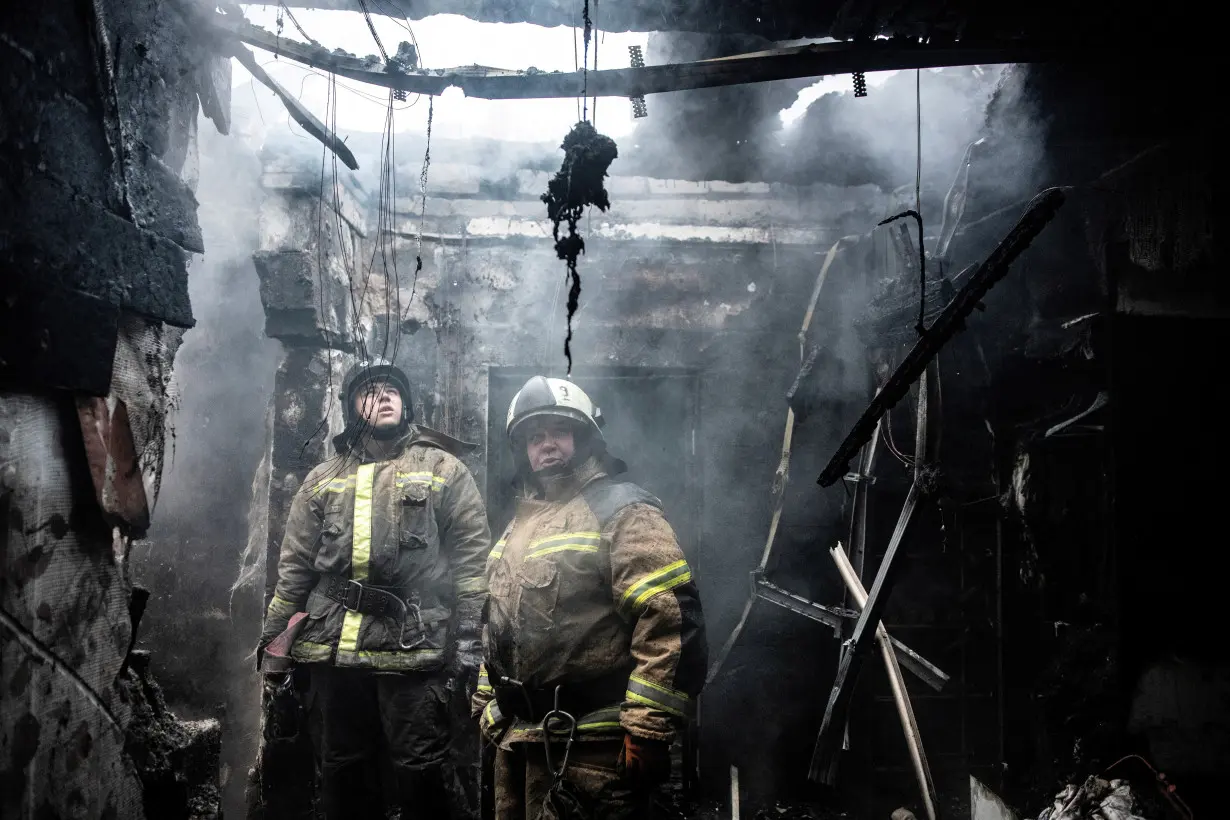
{"x":585,"y":63}
{"x":372,"y":27}
{"x":418,"y":259}
{"x":291,"y":15}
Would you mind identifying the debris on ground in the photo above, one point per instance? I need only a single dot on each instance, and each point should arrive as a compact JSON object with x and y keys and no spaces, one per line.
{"x":1095,"y":799}
{"x":578,"y":183}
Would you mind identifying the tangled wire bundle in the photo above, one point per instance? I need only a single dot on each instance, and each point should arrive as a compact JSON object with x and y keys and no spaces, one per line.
{"x":587,"y":155}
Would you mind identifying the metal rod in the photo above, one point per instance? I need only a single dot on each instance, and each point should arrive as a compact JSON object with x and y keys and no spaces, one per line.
{"x":905,"y":710}
{"x":838,"y":617}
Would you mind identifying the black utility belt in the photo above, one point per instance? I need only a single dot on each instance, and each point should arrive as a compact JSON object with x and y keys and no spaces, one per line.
{"x":370,"y":599}
{"x":576,"y":698}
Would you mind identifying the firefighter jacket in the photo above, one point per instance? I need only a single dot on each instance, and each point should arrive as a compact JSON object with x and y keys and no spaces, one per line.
{"x":412,"y":525}
{"x":589,"y":585}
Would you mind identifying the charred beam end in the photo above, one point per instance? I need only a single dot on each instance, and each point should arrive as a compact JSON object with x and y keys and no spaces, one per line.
{"x":762,"y":66}
{"x":301,"y":115}
{"x":828,"y":742}
{"x":1040,"y":211}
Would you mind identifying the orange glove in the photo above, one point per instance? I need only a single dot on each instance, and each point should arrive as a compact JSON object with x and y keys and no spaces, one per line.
{"x":644,"y":763}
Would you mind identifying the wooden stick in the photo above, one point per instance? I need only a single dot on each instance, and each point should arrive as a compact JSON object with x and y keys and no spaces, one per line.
{"x":905,"y":709}
{"x":734,"y":793}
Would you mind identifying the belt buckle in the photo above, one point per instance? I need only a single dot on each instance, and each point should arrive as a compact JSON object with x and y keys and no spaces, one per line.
{"x":358,"y":598}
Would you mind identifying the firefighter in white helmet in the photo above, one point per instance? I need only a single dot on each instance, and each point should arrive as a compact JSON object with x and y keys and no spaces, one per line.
{"x":593,"y":630}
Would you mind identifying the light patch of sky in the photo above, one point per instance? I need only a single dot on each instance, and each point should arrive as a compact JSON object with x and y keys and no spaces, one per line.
{"x":448,"y":41}
{"x":836,"y":82}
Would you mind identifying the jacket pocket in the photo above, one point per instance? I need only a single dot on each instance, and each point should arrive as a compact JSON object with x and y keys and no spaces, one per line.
{"x":334,"y":552}
{"x":539,"y":582}
{"x":414,"y":517}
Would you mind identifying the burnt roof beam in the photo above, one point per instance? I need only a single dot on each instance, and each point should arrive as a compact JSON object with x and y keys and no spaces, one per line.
{"x":814,"y":60}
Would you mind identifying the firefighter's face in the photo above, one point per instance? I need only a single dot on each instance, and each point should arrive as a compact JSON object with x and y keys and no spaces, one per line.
{"x":548,"y":442}
{"x":379,"y":404}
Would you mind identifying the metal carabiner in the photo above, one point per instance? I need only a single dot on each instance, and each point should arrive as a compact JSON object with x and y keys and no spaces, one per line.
{"x":408,"y":608}
{"x":557,"y":714}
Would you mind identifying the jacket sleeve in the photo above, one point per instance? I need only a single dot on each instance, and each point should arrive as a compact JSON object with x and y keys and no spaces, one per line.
{"x":654,"y":592}
{"x":296,"y":569}
{"x":466,"y":538}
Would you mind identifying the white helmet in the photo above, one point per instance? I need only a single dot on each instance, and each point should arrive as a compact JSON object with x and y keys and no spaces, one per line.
{"x":543,"y":396}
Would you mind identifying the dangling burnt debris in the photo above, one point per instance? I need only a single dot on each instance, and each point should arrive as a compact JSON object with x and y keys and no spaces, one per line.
{"x":587,"y":155}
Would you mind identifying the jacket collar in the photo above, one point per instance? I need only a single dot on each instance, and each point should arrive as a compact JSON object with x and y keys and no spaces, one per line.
{"x":366,"y":449}
{"x":563,"y":487}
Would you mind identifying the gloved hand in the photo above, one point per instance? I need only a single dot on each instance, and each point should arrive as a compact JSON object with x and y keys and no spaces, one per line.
{"x":644,"y":763}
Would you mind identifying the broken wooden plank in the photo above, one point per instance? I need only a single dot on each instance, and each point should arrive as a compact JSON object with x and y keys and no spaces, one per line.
{"x":306,"y":119}
{"x":812,"y":60}
{"x":1040,"y":211}
{"x":905,"y":709}
{"x":824,"y":757}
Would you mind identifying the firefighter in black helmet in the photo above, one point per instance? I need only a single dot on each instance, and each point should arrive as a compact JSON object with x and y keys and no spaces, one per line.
{"x":384,"y":550}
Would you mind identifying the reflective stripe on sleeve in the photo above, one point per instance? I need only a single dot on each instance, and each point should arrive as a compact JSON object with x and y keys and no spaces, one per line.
{"x":658,"y":696}
{"x":667,"y":578}
{"x":471,"y":586}
{"x":360,"y":550}
{"x":484,"y":682}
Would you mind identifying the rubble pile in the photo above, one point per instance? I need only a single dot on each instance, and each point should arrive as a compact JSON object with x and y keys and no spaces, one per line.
{"x":1095,"y":799}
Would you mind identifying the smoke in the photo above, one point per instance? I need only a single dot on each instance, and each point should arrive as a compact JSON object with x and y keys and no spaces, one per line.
{"x":687,"y":334}
{"x":224,"y":376}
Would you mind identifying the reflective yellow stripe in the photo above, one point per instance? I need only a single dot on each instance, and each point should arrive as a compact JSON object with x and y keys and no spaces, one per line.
{"x":435,"y":481}
{"x":565,"y":548}
{"x":646,"y":691}
{"x":360,"y":550}
{"x":281,"y":608}
{"x":471,"y":585}
{"x":594,"y":538}
{"x":633,"y":696}
{"x":498,"y":549}
{"x":566,"y":542}
{"x":654,"y":583}
{"x":336,"y":484}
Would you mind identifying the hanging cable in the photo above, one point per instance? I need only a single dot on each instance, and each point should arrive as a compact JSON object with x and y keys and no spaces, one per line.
{"x":294,"y":22}
{"x":585,"y":63}
{"x":418,"y":259}
{"x":918,"y":145}
{"x":372,"y":27}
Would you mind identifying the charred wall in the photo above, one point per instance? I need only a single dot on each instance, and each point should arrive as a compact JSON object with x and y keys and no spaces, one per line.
{"x":97,"y":171}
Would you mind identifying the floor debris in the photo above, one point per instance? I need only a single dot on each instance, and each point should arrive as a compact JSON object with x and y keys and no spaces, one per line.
{"x":1095,"y":799}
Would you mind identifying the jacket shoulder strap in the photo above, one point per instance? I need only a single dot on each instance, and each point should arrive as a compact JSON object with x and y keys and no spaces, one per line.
{"x":606,"y":498}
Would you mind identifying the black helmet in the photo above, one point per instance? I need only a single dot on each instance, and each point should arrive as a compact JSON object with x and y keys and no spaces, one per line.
{"x":370,"y":370}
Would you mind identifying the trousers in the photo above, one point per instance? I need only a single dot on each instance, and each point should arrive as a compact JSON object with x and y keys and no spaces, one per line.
{"x":363,"y":715}
{"x":593,"y":789}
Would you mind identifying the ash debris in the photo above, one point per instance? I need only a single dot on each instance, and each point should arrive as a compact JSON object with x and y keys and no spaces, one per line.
{"x":587,"y":156}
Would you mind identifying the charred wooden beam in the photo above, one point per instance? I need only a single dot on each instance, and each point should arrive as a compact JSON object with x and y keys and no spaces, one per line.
{"x":762,"y":66}
{"x":301,"y":115}
{"x":1040,"y":211}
